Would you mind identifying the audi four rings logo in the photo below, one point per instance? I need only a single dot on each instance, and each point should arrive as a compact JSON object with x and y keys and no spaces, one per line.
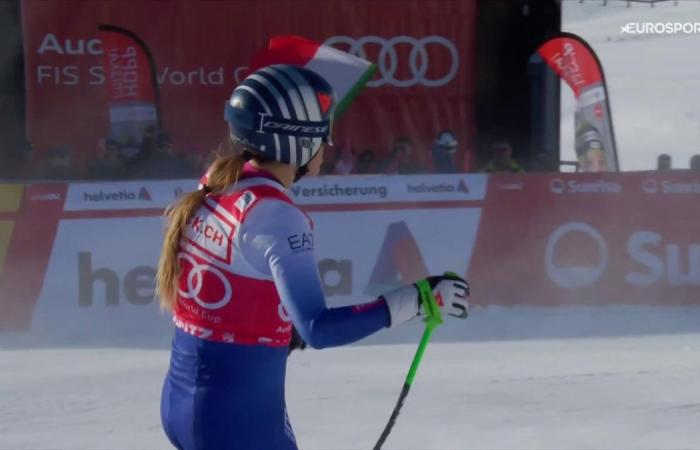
{"x":195,"y":283}
{"x":388,"y":59}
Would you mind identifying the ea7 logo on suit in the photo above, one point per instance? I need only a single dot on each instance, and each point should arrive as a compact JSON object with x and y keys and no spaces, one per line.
{"x":301,"y":242}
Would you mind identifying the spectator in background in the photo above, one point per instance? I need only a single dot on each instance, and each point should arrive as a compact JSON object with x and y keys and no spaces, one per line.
{"x":109,"y":164}
{"x":544,"y":161}
{"x":327,"y":168}
{"x":59,"y":165}
{"x":404,"y":158}
{"x":502,"y":159}
{"x":17,"y":164}
{"x":344,"y":161}
{"x":444,"y":151}
{"x":164,"y":161}
{"x":663,"y":162}
{"x":366,"y":163}
{"x":695,"y":163}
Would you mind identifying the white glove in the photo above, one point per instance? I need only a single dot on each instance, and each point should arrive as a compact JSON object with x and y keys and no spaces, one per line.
{"x":450,"y":291}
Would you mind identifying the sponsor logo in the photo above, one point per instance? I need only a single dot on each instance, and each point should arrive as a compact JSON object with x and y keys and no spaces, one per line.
{"x":301,"y":242}
{"x":52,"y":44}
{"x":192,"y":329}
{"x":144,"y":194}
{"x":425,"y":188}
{"x":206,"y":231}
{"x":679,"y":265}
{"x":210,"y":236}
{"x":575,"y":276}
{"x":675,"y":187}
{"x":267,"y":124}
{"x":388,"y":58}
{"x":123,"y":195}
{"x":283,"y":329}
{"x":138,"y":285}
{"x":569,"y":67}
{"x":283,"y":314}
{"x":195,"y":282}
{"x":47,"y":197}
{"x":337,"y":190}
{"x":244,"y":201}
{"x":559,"y":186}
{"x":653,"y":259}
{"x":400,"y":261}
{"x":511,"y":186}
{"x":650,"y":186}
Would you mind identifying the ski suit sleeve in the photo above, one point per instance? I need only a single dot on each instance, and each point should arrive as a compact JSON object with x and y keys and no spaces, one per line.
{"x":277,"y":240}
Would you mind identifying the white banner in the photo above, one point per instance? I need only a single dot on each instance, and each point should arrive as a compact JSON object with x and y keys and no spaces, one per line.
{"x":99,"y":280}
{"x":324,"y":190}
{"x":385,"y":188}
{"x":125,"y":195}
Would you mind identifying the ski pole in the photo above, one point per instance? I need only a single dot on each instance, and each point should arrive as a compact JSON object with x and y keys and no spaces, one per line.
{"x":432,"y":320}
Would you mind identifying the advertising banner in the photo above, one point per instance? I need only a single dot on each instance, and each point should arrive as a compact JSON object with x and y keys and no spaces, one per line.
{"x":577,"y":64}
{"x":553,"y":240}
{"x":566,"y":239}
{"x":424,"y":80}
{"x":131,"y":84}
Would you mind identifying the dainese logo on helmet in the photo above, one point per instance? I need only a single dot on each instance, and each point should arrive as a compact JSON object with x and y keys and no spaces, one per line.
{"x":268,"y":124}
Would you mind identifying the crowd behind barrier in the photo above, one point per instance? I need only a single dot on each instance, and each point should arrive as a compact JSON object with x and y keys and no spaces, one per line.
{"x":158,"y":157}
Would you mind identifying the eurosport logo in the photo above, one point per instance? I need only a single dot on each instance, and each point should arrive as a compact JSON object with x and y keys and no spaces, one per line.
{"x":388,"y":59}
{"x":195,"y":283}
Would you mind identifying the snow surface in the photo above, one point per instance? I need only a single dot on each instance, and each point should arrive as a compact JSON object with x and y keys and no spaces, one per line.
{"x":569,"y":378}
{"x":653,"y":80}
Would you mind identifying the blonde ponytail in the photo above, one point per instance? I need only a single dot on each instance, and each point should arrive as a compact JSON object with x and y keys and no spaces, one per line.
{"x":223,"y":172}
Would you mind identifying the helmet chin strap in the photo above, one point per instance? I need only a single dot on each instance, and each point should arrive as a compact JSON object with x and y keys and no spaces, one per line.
{"x":301,"y":171}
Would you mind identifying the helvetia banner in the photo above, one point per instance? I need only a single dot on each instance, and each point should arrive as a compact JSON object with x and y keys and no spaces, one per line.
{"x":577,"y":64}
{"x":131,"y":83}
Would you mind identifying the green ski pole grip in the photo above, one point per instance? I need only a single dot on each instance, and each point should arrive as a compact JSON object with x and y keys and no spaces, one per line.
{"x":431,"y":309}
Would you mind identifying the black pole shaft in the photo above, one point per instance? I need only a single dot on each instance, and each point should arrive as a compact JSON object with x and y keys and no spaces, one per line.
{"x":392,"y":419}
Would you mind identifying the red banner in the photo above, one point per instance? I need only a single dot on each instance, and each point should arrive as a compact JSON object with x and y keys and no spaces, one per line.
{"x":576,"y":63}
{"x":535,"y":240}
{"x":424,"y":81}
{"x":130,"y":74}
{"x":564,"y":239}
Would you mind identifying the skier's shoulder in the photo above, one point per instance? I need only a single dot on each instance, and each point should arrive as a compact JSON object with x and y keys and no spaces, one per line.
{"x":265,"y":206}
{"x":252,"y":194}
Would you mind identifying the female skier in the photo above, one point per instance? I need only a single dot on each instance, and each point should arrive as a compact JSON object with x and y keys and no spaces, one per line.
{"x":237,"y":270}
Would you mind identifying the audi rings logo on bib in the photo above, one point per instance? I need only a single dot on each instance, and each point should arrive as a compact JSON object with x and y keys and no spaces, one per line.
{"x":425,"y":64}
{"x":207,"y":285}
